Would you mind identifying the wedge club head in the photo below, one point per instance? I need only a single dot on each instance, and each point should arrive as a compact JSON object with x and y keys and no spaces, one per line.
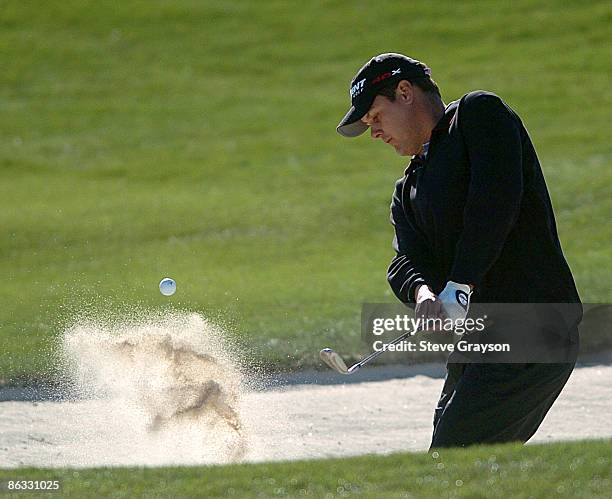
{"x":333,"y":360}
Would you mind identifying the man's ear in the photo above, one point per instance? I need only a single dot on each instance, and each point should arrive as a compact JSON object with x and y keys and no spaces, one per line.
{"x":405,"y":91}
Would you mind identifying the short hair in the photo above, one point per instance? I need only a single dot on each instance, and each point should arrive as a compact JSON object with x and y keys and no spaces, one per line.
{"x":425,"y":83}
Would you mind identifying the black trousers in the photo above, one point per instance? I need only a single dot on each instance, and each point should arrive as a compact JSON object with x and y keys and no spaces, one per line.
{"x":490,"y":403}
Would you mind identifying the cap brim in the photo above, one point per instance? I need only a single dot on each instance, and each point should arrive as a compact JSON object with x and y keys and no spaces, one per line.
{"x":351,"y":125}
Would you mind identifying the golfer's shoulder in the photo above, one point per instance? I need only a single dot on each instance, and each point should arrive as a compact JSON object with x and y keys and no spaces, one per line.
{"x":480,"y":100}
{"x":479,"y":105}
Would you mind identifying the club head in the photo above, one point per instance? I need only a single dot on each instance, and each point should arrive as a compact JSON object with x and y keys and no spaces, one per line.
{"x":333,"y":360}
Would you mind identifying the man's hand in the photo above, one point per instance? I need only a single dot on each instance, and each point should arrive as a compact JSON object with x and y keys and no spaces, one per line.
{"x":428,"y":305}
{"x":455,"y":300}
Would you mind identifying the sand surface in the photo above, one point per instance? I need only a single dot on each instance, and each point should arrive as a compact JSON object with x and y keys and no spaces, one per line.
{"x":284,"y":423}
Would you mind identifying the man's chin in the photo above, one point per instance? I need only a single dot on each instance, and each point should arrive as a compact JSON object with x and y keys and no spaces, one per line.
{"x":402,"y":152}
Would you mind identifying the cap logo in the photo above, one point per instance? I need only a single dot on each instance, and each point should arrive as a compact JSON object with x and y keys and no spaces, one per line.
{"x":380,"y":78}
{"x":357,"y":88}
{"x":386,"y":75}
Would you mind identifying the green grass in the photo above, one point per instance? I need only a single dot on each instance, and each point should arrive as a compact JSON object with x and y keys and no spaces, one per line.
{"x":579,"y":469}
{"x":196,"y":140}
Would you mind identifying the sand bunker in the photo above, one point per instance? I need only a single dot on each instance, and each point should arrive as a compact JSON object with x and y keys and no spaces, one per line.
{"x":165,"y":391}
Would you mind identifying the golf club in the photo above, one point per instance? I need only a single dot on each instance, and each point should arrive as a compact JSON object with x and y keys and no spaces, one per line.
{"x":333,"y":359}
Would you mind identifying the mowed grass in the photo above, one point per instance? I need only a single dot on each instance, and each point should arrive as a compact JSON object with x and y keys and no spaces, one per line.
{"x":196,"y":140}
{"x":578,"y":469}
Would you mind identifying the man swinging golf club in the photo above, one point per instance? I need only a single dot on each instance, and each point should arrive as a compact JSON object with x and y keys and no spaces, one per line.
{"x":473,"y":222}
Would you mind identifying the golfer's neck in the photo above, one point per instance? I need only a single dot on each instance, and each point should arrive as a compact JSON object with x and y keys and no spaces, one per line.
{"x":435,"y":114}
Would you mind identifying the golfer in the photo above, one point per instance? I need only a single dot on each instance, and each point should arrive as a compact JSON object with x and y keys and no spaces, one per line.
{"x":473,"y":223}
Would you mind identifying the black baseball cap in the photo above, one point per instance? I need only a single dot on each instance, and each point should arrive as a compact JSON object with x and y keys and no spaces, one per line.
{"x":375,"y":73}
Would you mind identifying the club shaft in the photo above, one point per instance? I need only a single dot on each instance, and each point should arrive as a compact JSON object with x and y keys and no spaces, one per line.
{"x":375,"y":354}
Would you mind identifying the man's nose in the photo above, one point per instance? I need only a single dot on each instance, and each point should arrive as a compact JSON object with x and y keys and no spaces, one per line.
{"x":375,"y":131}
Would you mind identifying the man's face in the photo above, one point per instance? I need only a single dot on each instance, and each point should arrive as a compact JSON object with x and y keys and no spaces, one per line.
{"x":396,"y":122}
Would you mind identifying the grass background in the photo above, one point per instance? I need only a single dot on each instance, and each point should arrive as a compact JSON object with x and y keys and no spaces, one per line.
{"x":196,"y":140}
{"x":578,"y":469}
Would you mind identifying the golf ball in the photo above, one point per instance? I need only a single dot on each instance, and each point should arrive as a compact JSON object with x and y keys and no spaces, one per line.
{"x":167,"y":286}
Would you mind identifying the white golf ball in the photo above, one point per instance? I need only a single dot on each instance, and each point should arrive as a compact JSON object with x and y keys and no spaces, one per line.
{"x":167,"y":286}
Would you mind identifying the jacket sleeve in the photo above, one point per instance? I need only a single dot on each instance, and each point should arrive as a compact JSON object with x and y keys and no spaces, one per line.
{"x":405,"y":271}
{"x":492,"y":134}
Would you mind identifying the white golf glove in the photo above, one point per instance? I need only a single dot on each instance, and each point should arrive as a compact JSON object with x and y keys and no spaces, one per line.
{"x":455,"y":300}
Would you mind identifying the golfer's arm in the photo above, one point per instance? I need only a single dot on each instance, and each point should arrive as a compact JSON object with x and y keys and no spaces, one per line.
{"x":409,"y":266}
{"x":493,"y":139}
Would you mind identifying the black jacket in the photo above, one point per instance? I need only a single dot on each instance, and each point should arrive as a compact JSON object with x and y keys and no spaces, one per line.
{"x":477,"y":211}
